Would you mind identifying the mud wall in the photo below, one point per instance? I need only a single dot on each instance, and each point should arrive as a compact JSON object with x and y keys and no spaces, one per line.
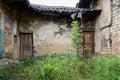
{"x":51,"y":38}
{"x":50,"y":34}
{"x":7,"y":22}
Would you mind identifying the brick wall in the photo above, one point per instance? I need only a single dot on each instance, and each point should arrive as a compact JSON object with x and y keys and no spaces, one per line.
{"x":115,"y":28}
{"x":8,"y":47}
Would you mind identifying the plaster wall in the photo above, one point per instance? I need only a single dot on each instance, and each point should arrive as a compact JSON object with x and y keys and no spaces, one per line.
{"x":102,"y":24}
{"x":50,"y":35}
{"x":7,"y":22}
{"x":51,"y":38}
{"x":1,"y":30}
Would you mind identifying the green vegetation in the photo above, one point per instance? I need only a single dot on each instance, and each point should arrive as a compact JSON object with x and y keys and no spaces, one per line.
{"x":76,"y":37}
{"x":64,"y":67}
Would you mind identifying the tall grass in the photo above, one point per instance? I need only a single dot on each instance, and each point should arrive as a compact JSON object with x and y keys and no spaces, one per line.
{"x":64,"y":67}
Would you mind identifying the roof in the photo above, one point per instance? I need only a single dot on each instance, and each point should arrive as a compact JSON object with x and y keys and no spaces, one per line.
{"x":84,"y":3}
{"x":45,"y":10}
{"x":60,"y":9}
{"x":10,"y":1}
{"x":41,"y":8}
{"x":18,"y":4}
{"x":55,"y":9}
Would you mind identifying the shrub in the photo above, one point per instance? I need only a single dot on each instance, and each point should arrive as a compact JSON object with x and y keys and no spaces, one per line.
{"x":76,"y":36}
{"x":64,"y":67}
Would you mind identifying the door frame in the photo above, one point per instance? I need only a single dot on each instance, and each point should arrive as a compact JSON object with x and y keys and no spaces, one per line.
{"x":21,"y":57}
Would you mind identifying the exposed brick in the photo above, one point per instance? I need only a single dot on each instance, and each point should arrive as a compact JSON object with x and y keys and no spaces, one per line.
{"x":115,"y":28}
{"x":8,"y":47}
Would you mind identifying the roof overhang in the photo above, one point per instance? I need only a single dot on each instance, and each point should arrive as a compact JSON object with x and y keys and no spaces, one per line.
{"x":24,"y":5}
{"x":87,"y":14}
{"x":14,"y":1}
{"x":84,"y":3}
{"x":16,"y":4}
{"x":59,"y":10}
{"x":91,"y":14}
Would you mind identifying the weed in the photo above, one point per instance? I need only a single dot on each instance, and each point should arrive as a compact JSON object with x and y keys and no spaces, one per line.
{"x":64,"y":67}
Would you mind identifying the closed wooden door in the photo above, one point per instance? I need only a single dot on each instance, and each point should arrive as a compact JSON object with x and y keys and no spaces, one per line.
{"x":26,"y":43}
{"x":88,"y":43}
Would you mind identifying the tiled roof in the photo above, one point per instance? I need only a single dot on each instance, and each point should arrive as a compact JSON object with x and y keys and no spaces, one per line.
{"x":56,"y":9}
{"x":47,"y":10}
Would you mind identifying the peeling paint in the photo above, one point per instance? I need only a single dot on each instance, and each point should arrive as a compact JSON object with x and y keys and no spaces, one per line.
{"x":1,"y":42}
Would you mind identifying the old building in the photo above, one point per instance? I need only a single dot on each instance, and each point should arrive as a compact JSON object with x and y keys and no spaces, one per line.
{"x":7,"y":22}
{"x":30,"y":30}
{"x":107,"y":30}
{"x":115,"y":26}
{"x":101,"y":25}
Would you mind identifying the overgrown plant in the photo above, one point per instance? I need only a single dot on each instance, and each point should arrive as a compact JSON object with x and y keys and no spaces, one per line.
{"x":76,"y":37}
{"x":64,"y":67}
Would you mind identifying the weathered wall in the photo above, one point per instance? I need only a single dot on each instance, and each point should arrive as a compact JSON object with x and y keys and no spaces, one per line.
{"x":50,"y":35}
{"x":8,"y":45}
{"x":7,"y":22}
{"x":115,"y":28}
{"x":1,"y":42}
{"x":1,"y":30}
{"x":102,"y":30}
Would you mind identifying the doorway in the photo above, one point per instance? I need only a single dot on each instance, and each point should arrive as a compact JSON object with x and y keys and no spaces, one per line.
{"x":26,"y":44}
{"x":88,"y":43}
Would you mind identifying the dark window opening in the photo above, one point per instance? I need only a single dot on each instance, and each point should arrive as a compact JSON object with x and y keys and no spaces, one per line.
{"x":87,"y":3}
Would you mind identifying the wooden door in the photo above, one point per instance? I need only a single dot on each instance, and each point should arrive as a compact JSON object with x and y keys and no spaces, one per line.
{"x":26,"y":43}
{"x":88,"y":43}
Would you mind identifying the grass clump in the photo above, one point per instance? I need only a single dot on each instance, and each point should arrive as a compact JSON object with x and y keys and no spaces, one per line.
{"x":63,"y":67}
